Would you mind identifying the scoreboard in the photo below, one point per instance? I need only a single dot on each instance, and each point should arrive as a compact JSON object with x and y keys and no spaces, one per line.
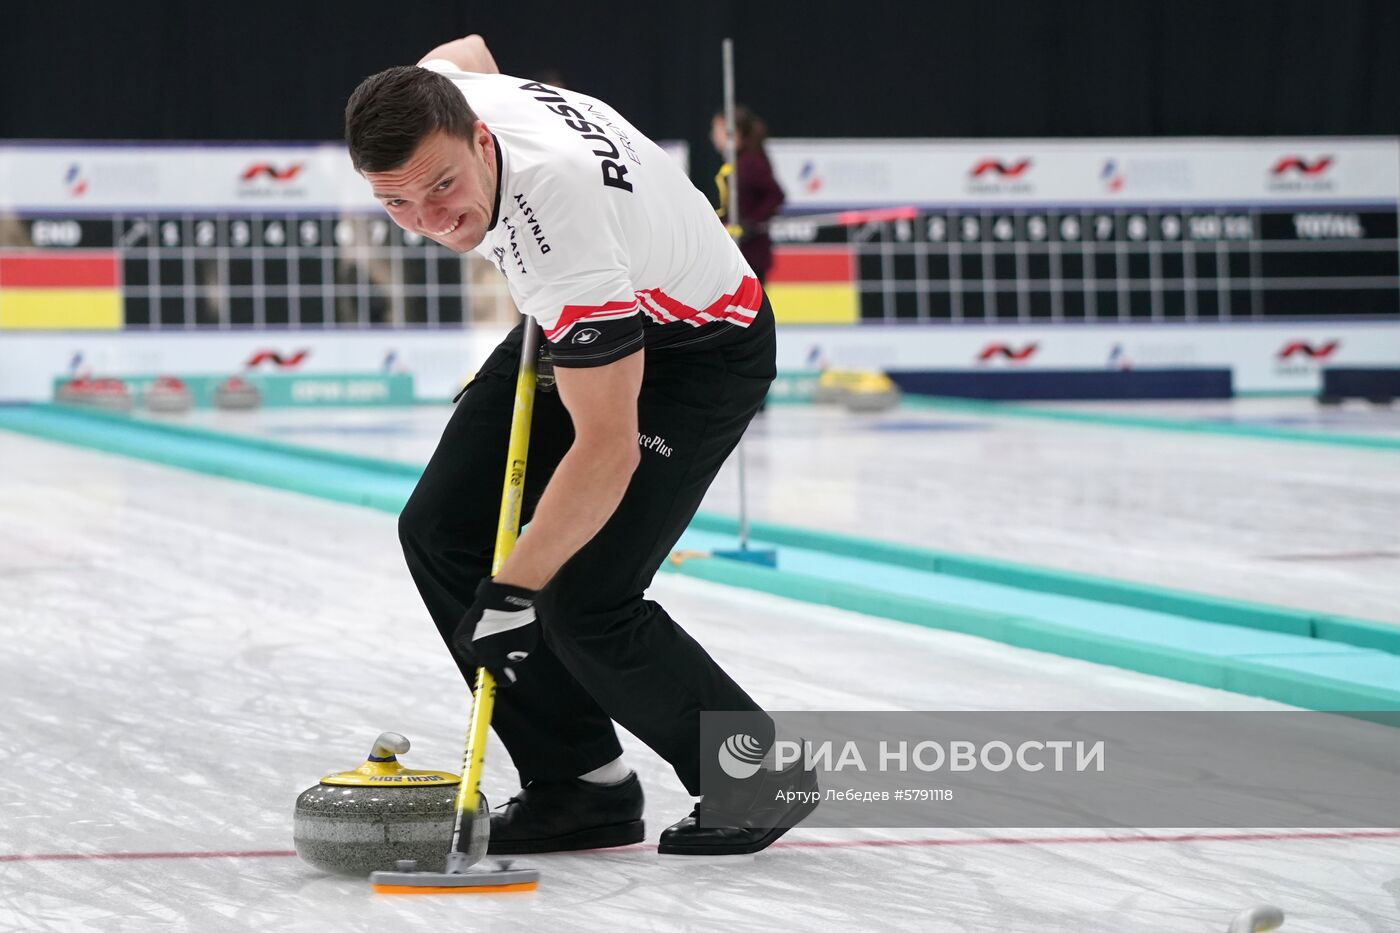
{"x":1269,"y":257}
{"x":143,"y":237}
{"x":1108,"y":264}
{"x":221,"y":268}
{"x":1100,"y":231}
{"x":208,"y":238}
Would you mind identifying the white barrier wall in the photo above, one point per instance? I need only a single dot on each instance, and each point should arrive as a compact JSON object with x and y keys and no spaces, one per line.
{"x":43,"y":178}
{"x":440,"y":361}
{"x":1270,"y":256}
{"x":828,"y":174}
{"x":1264,"y":358}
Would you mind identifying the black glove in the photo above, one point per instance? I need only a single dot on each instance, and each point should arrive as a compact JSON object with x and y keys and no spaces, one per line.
{"x":499,"y":629}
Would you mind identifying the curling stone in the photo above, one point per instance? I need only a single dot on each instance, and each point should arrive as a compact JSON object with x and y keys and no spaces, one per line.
{"x":378,"y":815}
{"x":169,"y":394}
{"x":831,"y":386}
{"x":236,"y":394}
{"x":72,"y":392}
{"x":871,"y":391}
{"x":106,"y":394}
{"x":111,"y":395}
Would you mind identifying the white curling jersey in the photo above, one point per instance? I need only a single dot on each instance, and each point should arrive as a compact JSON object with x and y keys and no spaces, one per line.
{"x":602,"y":238}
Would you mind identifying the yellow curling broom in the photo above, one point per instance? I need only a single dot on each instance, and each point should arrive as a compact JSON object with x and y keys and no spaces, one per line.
{"x":472,"y":828}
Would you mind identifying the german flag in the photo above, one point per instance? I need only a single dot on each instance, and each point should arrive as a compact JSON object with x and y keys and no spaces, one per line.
{"x":813,"y":285}
{"x":74,"y":291}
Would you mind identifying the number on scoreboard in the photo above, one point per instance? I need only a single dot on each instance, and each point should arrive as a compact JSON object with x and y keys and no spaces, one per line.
{"x":193,"y":271}
{"x":1124,"y":264}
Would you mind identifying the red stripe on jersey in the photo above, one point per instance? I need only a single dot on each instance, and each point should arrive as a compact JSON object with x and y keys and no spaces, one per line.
{"x":740,"y":307}
{"x":572,"y":314}
{"x":652,"y":311}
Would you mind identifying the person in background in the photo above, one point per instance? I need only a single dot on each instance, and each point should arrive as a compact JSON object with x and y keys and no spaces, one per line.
{"x":760,"y":195}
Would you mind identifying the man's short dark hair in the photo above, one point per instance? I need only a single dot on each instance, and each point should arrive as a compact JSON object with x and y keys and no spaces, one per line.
{"x":392,"y":112}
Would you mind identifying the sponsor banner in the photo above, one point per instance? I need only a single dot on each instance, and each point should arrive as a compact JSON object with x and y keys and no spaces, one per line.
{"x":277,"y":391}
{"x":816,"y":174}
{"x":1262,"y":357}
{"x":439,"y":361}
{"x":820,"y":174}
{"x":1142,"y":770}
{"x":98,"y":178}
{"x":146,"y":178}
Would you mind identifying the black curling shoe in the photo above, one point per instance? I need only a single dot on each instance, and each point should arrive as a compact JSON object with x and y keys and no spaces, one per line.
{"x":746,"y":818}
{"x":562,"y":816}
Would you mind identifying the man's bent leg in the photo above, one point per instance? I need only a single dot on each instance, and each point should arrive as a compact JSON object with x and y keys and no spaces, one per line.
{"x":644,"y":670}
{"x":550,"y":726}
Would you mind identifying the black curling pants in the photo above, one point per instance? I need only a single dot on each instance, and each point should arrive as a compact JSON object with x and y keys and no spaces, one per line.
{"x":608,"y":653}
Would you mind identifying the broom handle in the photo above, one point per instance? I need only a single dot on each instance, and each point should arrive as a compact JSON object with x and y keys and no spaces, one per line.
{"x":507,"y":530}
{"x":731,"y":144}
{"x":732,"y":219}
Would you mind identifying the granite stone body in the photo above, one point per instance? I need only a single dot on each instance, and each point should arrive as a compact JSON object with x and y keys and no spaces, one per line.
{"x":357,"y":830}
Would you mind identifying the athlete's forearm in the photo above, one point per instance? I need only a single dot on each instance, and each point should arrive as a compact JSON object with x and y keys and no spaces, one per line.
{"x":469,"y":54}
{"x":581,"y":496}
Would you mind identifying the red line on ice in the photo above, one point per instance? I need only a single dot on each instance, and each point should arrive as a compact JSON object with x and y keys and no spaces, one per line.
{"x":120,"y":856}
{"x":1100,"y":840}
{"x":797,"y":844}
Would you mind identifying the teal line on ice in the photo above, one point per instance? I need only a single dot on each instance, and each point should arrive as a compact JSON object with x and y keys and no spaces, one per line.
{"x":381,"y":484}
{"x":1304,"y":659}
{"x":1362,"y":633}
{"x":1144,"y":422}
{"x":1297,"y":669}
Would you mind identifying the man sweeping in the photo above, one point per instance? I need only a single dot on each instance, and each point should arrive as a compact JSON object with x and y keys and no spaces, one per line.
{"x":663,"y":349}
